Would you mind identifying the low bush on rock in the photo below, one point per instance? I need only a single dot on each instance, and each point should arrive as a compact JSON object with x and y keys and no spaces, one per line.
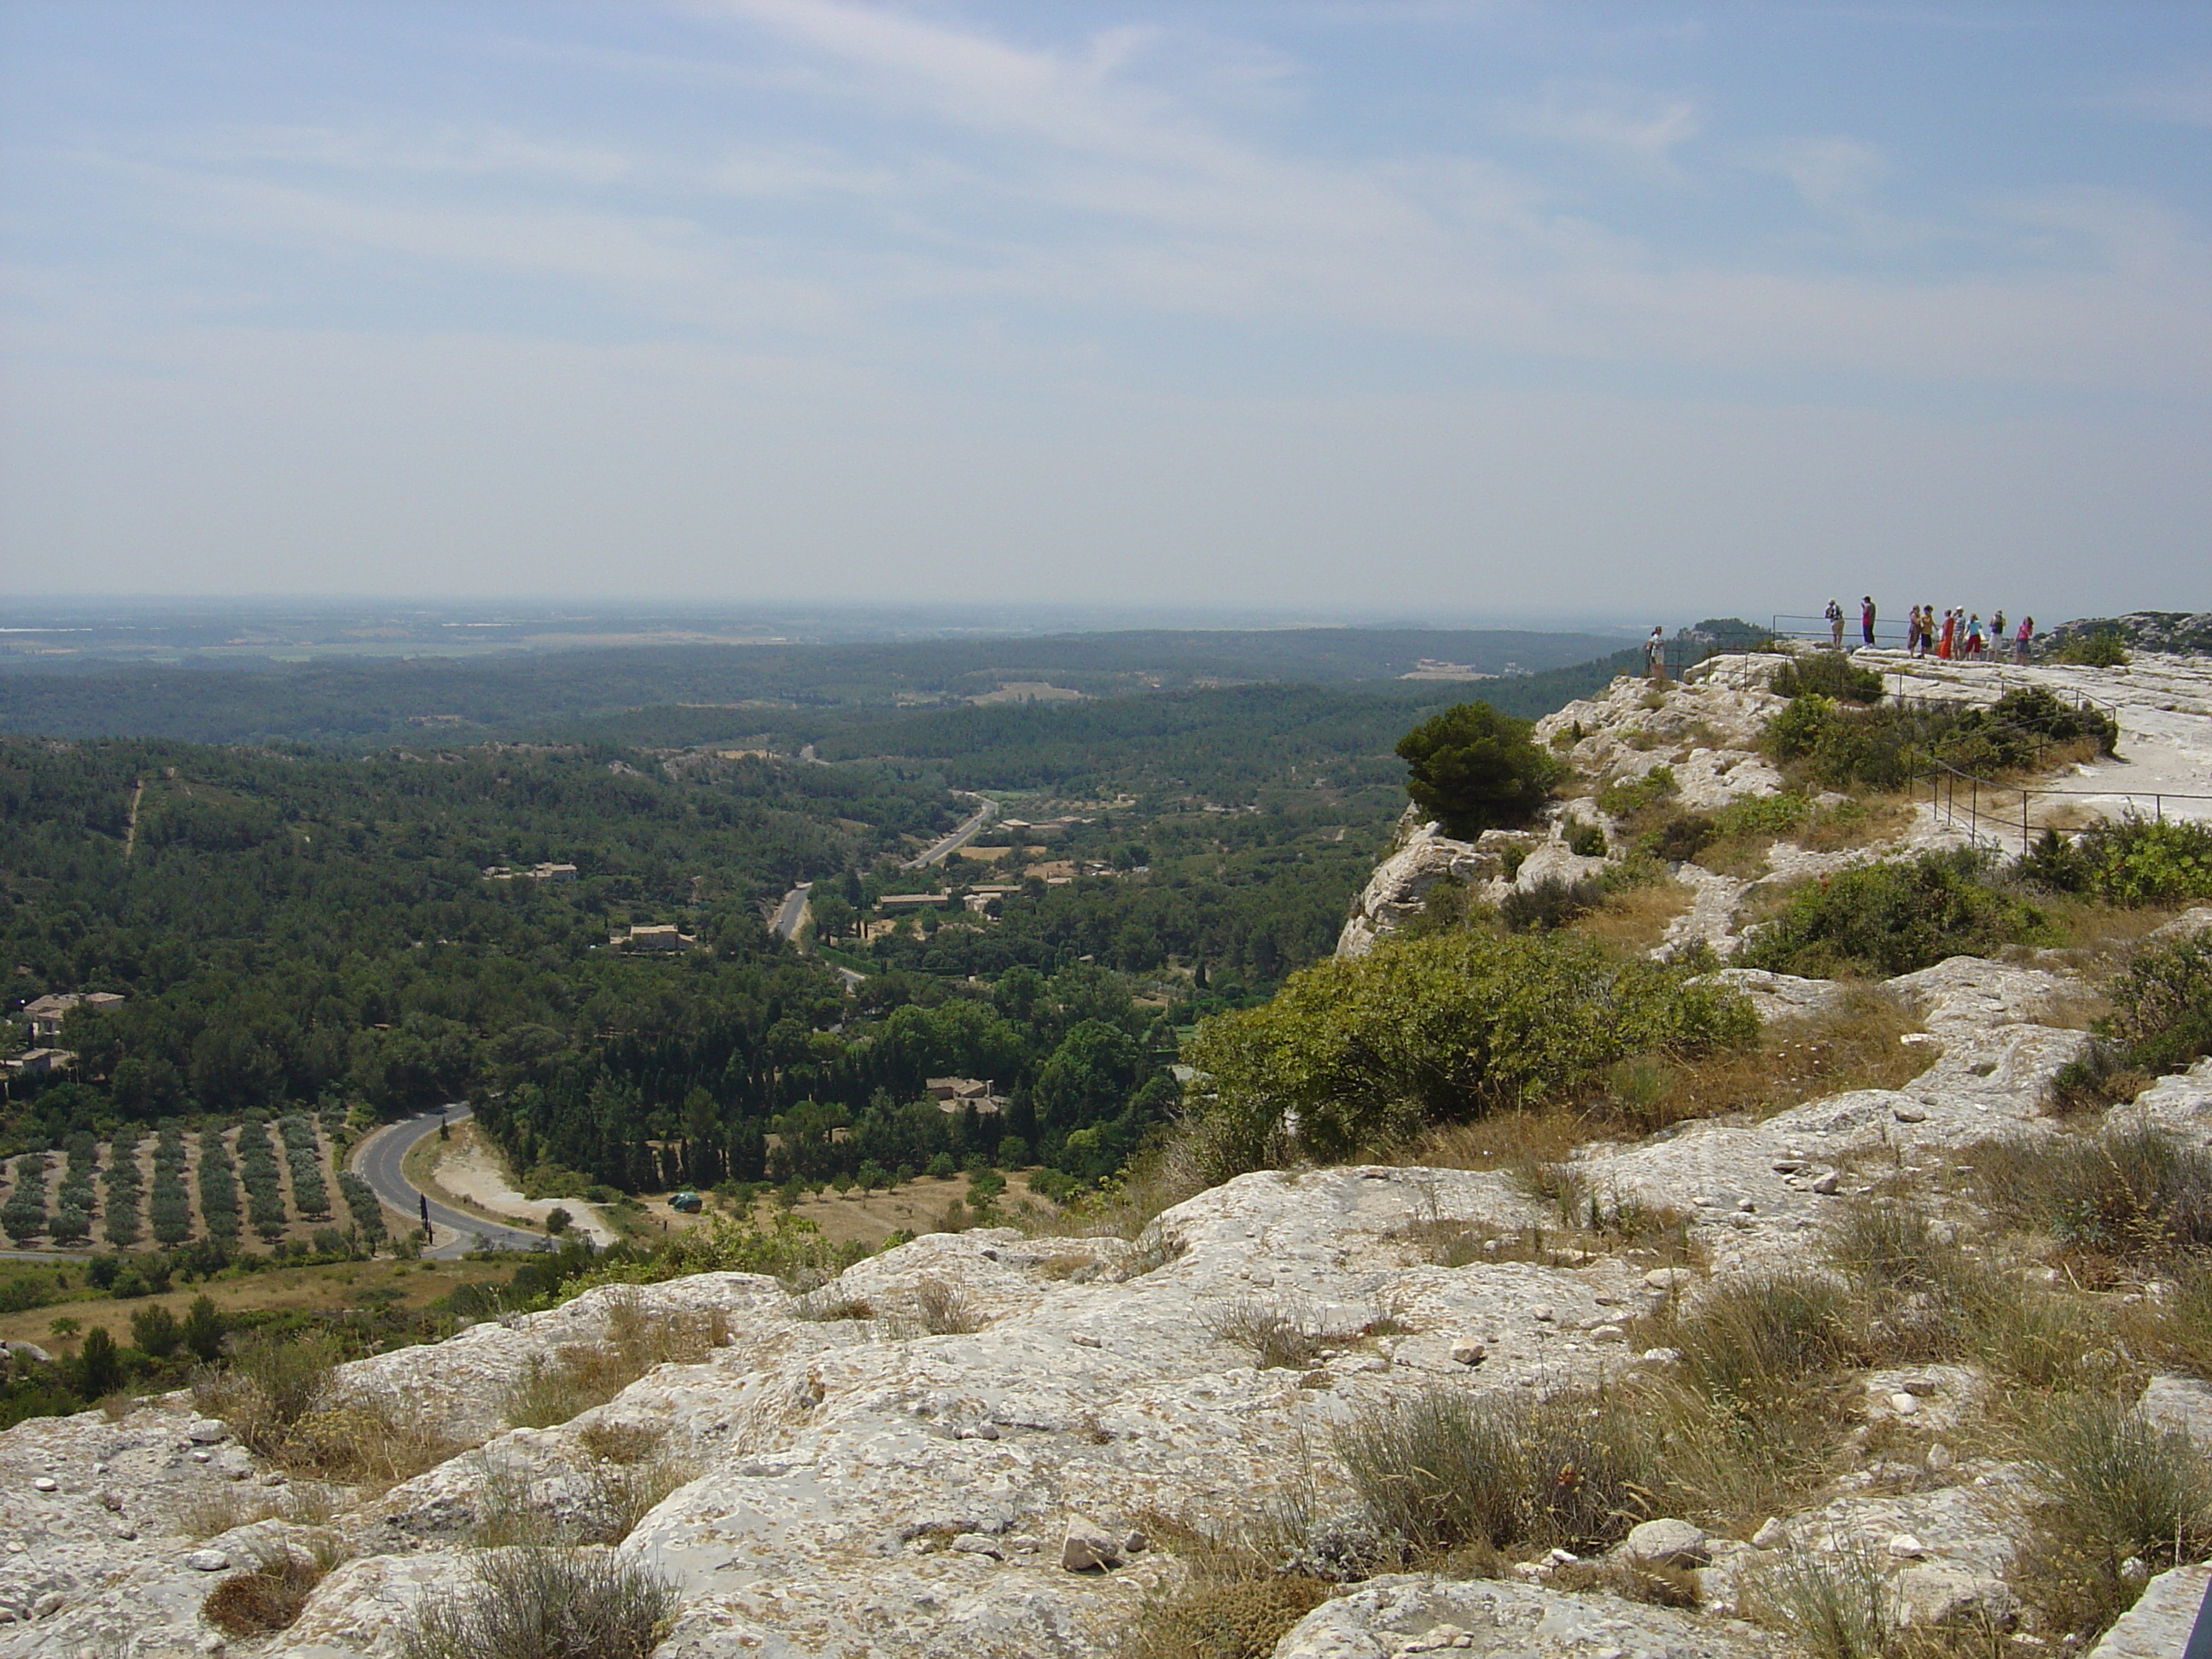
{"x":545,"y":1604}
{"x":1235,"y":1601}
{"x":1883,"y":747}
{"x":1828,"y":674}
{"x":268,"y":1598}
{"x":1365,"y":1053}
{"x":1545,"y":906}
{"x":1883,"y":920}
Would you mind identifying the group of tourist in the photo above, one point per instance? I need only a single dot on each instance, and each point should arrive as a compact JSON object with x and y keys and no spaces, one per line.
{"x":1957,"y":636}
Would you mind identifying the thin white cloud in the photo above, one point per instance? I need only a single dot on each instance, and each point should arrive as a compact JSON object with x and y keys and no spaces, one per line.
{"x":2185,"y":100}
{"x":1641,"y":128}
{"x":1830,"y":174}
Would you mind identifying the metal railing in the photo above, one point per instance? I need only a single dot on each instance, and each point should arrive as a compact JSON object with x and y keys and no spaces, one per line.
{"x":1983,"y":807}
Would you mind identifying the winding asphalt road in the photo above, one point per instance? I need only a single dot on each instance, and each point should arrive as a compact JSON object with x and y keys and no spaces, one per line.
{"x":378,"y":1162}
{"x":791,"y":912}
{"x":960,"y":837}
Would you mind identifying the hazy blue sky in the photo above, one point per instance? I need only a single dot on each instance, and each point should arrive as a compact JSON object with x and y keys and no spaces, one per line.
{"x":1540,"y":310}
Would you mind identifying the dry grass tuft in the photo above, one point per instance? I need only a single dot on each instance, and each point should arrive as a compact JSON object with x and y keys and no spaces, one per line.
{"x":1651,"y":1583}
{"x":584,"y":1375}
{"x":268,"y":1598}
{"x":2116,"y":1490}
{"x":1858,"y":1044}
{"x":1279,"y":1336}
{"x":1634,"y":920}
{"x":280,"y":1398}
{"x":529,"y":1602}
{"x":622,"y":1442}
{"x":946,"y":1310}
{"x":1231,"y":1602}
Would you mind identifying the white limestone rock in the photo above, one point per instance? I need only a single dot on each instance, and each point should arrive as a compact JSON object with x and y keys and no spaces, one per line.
{"x":1669,"y":1542}
{"x":1386,"y":1617}
{"x":2158,"y":1624}
{"x":1936,"y":1595}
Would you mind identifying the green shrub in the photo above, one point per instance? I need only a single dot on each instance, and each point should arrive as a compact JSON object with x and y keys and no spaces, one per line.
{"x":1828,"y":675}
{"x":1682,"y":838}
{"x":1585,"y":841}
{"x":2162,"y":1022}
{"x":1362,"y":1052}
{"x":2162,"y":1004}
{"x":1883,"y":920}
{"x":1800,"y":728}
{"x":2033,"y":709}
{"x":1472,"y":769}
{"x":2104,"y":647}
{"x":2137,"y":861}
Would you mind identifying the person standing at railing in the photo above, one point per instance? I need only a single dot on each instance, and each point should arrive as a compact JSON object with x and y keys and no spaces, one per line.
{"x":1996,"y":633}
{"x":1834,"y":613}
{"x":2020,"y":641}
{"x":1866,"y":620}
{"x":1927,"y":629}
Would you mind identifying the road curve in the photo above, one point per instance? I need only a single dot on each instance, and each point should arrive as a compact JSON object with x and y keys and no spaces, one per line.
{"x":792,"y":911}
{"x":377,"y":1161}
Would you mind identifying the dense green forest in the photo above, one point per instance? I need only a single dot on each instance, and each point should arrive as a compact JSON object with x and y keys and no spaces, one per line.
{"x":303,"y":926}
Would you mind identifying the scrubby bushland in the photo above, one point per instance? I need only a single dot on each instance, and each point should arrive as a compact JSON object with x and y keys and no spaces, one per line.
{"x":2131,"y":861}
{"x":2162,"y":1022}
{"x":1881,"y":747}
{"x":1474,"y":769}
{"x":1883,"y":920}
{"x":1359,"y":1054}
{"x":1828,"y":675}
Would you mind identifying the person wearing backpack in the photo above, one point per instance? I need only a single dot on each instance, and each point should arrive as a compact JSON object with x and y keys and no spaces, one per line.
{"x":1834,"y":613}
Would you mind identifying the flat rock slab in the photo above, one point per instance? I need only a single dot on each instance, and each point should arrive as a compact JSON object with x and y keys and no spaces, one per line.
{"x":2158,"y":1625}
{"x":1413,"y":1614}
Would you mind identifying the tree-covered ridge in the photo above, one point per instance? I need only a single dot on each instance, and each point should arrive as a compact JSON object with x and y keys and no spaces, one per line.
{"x":357,"y":703}
{"x":286,"y":925}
